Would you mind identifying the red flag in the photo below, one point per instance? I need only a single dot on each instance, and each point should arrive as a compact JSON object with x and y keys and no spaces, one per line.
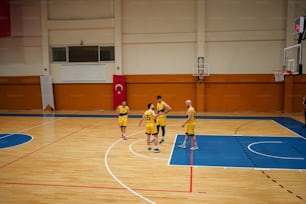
{"x":5,"y":19}
{"x":119,"y":89}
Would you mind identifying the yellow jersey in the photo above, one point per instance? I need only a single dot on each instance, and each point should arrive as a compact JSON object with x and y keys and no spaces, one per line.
{"x":123,"y":110}
{"x":149,"y":116}
{"x":160,"y":107}
{"x":192,"y":110}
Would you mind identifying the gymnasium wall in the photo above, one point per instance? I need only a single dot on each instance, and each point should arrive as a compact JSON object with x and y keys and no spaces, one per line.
{"x":157,"y":42}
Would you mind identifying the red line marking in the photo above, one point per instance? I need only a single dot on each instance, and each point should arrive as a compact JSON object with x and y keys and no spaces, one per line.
{"x":93,"y":187}
{"x":191,"y":169}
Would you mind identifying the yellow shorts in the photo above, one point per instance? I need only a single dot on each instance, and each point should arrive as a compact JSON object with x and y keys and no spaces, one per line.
{"x":122,"y":121}
{"x":151,"y":129}
{"x":161,"y":120}
{"x":190,"y":129}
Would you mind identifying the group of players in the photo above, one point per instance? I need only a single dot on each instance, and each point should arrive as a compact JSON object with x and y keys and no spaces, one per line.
{"x":156,"y":120}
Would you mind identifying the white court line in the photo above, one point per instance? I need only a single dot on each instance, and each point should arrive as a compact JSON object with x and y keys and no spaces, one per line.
{"x":172,"y":150}
{"x":142,"y":155}
{"x":115,"y":177}
{"x":272,"y":156}
{"x":295,"y":133}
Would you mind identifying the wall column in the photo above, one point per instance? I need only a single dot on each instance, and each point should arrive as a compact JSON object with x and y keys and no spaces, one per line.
{"x":200,"y":51}
{"x":201,"y":28}
{"x":118,"y":37}
{"x":290,"y":23}
{"x":45,"y":38}
{"x":288,"y":94}
{"x":288,"y":83}
{"x":200,"y":96}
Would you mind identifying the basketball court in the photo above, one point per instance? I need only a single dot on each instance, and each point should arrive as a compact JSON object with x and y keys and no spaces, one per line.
{"x":78,"y":157}
{"x":67,"y":65}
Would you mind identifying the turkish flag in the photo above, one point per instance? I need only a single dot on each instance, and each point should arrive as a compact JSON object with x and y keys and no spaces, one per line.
{"x":119,"y":89}
{"x":5,"y":19}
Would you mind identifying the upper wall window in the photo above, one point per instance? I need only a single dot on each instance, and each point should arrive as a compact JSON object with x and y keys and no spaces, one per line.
{"x":83,"y":54}
{"x":58,"y":54}
{"x":107,"y":53}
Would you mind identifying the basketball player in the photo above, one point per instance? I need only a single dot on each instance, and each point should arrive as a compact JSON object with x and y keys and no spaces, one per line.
{"x":304,"y":102}
{"x":151,"y":128}
{"x":123,"y":111}
{"x":190,"y":126}
{"x":163,"y":108}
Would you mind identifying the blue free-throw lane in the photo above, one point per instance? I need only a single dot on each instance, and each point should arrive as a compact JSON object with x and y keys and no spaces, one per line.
{"x":10,"y":140}
{"x":243,"y":152}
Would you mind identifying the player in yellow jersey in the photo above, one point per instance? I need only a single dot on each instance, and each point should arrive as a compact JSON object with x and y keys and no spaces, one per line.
{"x":123,"y":111}
{"x":163,"y":108}
{"x":151,"y":128}
{"x":189,"y":125}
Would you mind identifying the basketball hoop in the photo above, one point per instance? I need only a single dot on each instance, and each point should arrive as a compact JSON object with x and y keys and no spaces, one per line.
{"x":201,"y":76}
{"x":279,"y":75}
{"x":201,"y":70}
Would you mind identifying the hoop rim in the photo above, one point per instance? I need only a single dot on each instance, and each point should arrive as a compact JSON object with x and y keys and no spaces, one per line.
{"x":286,"y":72}
{"x":201,"y":76}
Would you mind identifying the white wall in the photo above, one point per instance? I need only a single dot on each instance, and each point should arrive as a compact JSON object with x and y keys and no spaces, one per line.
{"x":20,"y":54}
{"x":158,"y":37}
{"x":81,"y":9}
{"x":245,"y":36}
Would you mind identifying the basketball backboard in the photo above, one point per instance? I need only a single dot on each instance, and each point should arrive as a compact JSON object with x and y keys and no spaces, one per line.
{"x":292,"y":59}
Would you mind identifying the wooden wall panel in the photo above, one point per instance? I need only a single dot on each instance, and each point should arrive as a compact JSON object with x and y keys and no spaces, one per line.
{"x":83,"y":96}
{"x":217,"y":93}
{"x":175,"y":90}
{"x":243,"y":92}
{"x":20,"y":97}
{"x":299,"y":90}
{"x":260,"y":97}
{"x":20,"y":93}
{"x":139,"y":95}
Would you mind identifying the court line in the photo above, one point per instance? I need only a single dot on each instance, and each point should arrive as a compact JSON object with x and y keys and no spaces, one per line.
{"x":22,"y":131}
{"x":284,"y":126}
{"x":116,"y":178}
{"x":191,"y":169}
{"x":172,"y":150}
{"x":268,"y":155}
{"x":241,"y":125}
{"x":88,"y":187}
{"x":142,"y":155}
{"x":42,"y":147}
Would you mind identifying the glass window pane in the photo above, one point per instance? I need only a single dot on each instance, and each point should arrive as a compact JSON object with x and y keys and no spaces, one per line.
{"x":58,"y":54}
{"x":107,"y":53}
{"x":83,"y":54}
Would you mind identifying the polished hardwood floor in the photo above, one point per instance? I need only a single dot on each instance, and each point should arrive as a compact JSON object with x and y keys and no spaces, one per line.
{"x":82,"y":160}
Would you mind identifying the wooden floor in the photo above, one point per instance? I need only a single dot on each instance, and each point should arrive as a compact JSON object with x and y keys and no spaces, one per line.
{"x":81,"y":160}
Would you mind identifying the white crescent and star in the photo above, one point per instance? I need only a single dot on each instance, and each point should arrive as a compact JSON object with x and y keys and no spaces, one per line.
{"x":118,"y":88}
